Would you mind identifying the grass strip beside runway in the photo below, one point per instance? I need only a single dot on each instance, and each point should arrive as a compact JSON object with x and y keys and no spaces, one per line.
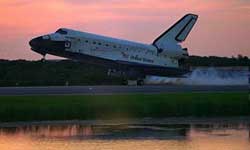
{"x":81,"y":107}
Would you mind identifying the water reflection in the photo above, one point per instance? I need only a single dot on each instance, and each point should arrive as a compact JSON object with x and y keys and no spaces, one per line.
{"x":77,"y":136}
{"x":249,"y":132}
{"x":100,"y":131}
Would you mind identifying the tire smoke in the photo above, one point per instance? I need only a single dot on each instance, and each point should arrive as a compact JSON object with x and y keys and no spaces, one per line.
{"x":207,"y":76}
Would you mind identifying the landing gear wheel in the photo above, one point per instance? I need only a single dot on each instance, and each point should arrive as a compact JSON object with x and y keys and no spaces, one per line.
{"x":140,"y":82}
{"x":43,"y":59}
{"x":125,"y":82}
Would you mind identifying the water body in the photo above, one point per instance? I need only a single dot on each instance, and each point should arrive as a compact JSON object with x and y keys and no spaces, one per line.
{"x":126,"y":136}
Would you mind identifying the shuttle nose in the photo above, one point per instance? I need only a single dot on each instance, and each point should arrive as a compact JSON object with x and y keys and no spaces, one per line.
{"x":36,"y":43}
{"x":44,"y":44}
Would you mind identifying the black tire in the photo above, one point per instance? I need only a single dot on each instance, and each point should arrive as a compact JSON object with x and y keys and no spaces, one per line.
{"x":140,"y":82}
{"x":43,"y":60}
{"x":125,"y":82}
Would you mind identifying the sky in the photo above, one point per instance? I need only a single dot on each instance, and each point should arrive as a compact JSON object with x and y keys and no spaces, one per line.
{"x":223,"y":27}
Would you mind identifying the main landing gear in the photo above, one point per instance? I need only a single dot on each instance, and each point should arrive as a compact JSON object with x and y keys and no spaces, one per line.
{"x":130,"y":77}
{"x":139,"y":82}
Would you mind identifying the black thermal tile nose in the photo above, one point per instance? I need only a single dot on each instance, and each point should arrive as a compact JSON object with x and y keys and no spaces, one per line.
{"x":36,"y":42}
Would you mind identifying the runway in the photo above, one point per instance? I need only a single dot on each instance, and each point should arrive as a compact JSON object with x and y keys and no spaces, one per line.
{"x":105,"y":90}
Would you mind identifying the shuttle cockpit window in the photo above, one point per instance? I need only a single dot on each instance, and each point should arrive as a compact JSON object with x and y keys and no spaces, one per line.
{"x":61,"y":31}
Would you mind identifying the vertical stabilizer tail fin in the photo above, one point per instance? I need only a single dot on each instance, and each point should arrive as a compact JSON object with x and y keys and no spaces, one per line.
{"x":178,"y":32}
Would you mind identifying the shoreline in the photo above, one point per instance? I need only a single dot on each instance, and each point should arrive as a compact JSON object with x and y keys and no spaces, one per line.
{"x":245,"y":120}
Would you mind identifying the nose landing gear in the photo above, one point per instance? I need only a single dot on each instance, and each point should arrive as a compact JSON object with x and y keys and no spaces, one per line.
{"x":43,"y":58}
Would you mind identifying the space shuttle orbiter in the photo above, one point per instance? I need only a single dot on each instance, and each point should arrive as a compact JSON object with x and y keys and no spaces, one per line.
{"x":121,"y":57}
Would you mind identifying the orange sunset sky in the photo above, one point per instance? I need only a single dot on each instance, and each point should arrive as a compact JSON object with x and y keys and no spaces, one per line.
{"x":223,"y":28}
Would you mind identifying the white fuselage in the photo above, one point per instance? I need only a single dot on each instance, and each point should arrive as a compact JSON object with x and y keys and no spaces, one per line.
{"x":116,"y":49}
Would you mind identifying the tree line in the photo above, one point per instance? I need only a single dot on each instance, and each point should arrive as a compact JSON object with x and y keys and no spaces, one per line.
{"x":67,"y":72}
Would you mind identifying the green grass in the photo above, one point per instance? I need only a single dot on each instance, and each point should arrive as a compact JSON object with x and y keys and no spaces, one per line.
{"x":33,"y":108}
